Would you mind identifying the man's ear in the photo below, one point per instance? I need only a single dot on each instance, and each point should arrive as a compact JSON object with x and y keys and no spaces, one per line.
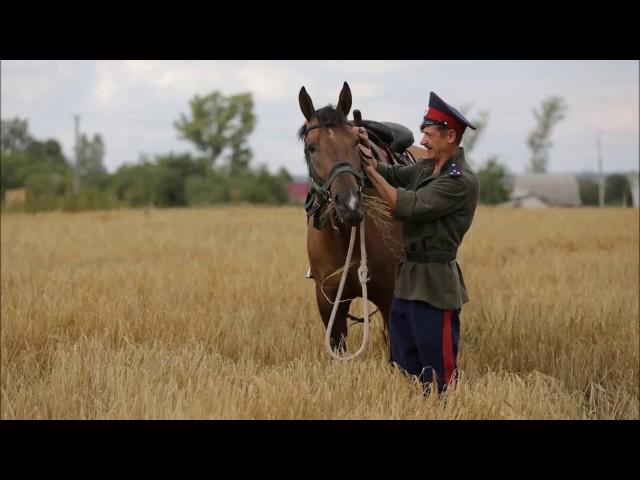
{"x":452,"y":136}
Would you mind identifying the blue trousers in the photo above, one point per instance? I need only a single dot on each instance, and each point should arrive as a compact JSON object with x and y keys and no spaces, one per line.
{"x":424,"y":340}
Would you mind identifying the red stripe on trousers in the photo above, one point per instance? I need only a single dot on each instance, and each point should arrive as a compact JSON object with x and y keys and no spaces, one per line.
{"x":447,"y":347}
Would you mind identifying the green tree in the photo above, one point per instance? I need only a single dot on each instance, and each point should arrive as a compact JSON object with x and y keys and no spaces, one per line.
{"x":90,"y":156}
{"x":588,"y":191}
{"x":492,"y":182}
{"x":50,"y":151}
{"x":220,"y":125}
{"x":14,"y":135}
{"x":617,"y":190}
{"x":209,"y":189}
{"x":12,"y":170}
{"x":172,"y":172}
{"x":134,"y":185}
{"x":17,"y":168}
{"x":551,"y":112}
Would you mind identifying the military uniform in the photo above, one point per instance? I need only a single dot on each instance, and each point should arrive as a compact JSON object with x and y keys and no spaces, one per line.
{"x":436,"y":210}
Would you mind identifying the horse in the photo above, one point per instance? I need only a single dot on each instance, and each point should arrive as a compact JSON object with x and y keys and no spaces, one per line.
{"x":339,"y":199}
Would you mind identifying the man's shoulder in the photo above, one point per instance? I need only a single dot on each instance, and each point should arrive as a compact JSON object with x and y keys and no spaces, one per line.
{"x":425,"y":164}
{"x":461,"y":169}
{"x":459,"y":176}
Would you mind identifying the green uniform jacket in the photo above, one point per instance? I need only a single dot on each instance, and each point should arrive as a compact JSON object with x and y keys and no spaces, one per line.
{"x":436,"y":211}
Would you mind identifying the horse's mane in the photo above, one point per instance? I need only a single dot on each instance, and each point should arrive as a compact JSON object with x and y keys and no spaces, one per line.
{"x":328,"y":116}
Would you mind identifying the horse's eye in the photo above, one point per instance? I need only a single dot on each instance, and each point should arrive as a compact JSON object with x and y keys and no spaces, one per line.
{"x":311,"y":148}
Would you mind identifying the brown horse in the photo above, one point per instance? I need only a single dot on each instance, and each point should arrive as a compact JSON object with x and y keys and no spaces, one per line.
{"x":342,"y":200}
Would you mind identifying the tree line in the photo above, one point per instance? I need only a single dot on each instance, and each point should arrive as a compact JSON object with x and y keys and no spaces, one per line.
{"x":220,"y":172}
{"x":218,"y":126}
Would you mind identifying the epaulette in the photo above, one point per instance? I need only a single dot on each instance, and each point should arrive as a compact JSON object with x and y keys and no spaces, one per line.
{"x":454,"y":171}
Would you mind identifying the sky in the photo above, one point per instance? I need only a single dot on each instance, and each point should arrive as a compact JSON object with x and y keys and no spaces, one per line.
{"x":133,"y":104}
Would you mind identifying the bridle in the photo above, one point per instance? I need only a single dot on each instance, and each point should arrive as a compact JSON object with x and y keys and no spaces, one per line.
{"x":322,"y":188}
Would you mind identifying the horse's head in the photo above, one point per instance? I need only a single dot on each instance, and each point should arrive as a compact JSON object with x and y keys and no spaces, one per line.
{"x":331,"y":150}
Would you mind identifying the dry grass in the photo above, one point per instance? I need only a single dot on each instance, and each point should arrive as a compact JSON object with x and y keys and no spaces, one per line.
{"x":206,"y":314}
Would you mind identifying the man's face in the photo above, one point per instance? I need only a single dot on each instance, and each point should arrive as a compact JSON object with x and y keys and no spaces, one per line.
{"x":434,"y":140}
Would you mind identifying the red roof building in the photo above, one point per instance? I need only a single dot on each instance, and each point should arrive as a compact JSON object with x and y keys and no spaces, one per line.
{"x":298,"y":191}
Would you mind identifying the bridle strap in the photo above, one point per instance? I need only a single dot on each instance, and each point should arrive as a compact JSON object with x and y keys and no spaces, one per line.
{"x":337,"y":169}
{"x":322,"y":187}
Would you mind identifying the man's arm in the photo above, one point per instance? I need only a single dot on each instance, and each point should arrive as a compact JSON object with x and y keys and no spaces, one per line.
{"x":396,"y":175}
{"x":386,"y":191}
{"x":437,"y":199}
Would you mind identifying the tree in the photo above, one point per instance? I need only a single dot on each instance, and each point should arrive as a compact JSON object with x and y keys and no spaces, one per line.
{"x":49,"y":150}
{"x":617,"y":190}
{"x":588,"y":191}
{"x":552,"y":111}
{"x":209,"y":189}
{"x":12,"y":170}
{"x":492,"y":182}
{"x":27,"y":162}
{"x":135,"y":184}
{"x":172,"y":171}
{"x":14,"y":135}
{"x":219,"y":124}
{"x":90,"y":156}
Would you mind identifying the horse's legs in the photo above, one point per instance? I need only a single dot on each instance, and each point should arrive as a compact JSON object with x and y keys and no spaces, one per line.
{"x":339,"y":330}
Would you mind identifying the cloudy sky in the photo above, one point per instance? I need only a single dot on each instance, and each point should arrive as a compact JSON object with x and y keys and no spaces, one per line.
{"x":133,"y":104}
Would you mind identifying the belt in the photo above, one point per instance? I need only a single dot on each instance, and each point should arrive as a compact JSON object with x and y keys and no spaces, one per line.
{"x":429,"y":257}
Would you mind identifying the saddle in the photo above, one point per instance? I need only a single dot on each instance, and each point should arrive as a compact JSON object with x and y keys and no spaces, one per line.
{"x":389,"y":141}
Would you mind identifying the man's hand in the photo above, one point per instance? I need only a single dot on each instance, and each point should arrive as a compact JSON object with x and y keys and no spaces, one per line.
{"x":364,"y":148}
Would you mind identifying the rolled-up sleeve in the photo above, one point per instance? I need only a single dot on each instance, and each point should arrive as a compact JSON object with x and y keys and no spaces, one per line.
{"x":396,"y":175}
{"x":439,"y":198}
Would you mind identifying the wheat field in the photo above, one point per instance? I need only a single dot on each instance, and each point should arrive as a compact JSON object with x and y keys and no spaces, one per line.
{"x":206,"y":314}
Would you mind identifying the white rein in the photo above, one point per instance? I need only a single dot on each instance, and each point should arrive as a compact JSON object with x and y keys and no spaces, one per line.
{"x":363,"y":274}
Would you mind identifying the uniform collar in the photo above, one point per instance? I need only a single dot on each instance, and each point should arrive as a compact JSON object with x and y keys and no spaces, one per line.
{"x":454,"y":161}
{"x":452,"y":165}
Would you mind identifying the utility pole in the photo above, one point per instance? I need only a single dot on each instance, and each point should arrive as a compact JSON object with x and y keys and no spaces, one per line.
{"x":600,"y":175}
{"x":76,"y":187}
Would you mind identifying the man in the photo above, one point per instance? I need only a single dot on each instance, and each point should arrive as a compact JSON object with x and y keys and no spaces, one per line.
{"x":435,"y":199}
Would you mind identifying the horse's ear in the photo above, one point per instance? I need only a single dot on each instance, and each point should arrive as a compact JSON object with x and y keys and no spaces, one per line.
{"x":306,"y":105}
{"x":344,"y":101}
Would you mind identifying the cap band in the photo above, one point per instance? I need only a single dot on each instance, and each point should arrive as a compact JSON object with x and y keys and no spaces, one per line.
{"x":437,"y":115}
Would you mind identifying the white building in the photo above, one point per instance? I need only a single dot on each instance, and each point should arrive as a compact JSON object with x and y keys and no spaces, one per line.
{"x":540,"y":190}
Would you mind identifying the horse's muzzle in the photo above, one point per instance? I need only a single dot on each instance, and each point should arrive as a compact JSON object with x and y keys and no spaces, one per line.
{"x":352,"y":217}
{"x":349,"y":209}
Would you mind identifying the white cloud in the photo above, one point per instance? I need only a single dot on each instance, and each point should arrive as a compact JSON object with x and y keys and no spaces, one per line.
{"x":116,"y":81}
{"x":267,"y":80}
